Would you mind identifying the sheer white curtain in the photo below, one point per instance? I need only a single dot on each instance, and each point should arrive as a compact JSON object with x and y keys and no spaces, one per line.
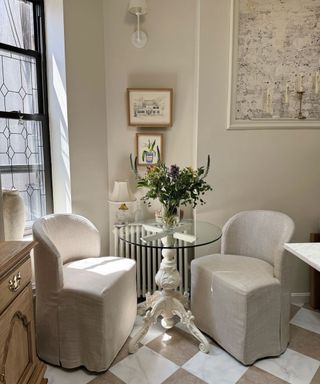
{"x":16,"y":23}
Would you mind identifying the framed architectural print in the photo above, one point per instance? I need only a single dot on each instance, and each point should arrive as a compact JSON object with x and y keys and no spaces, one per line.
{"x":149,"y":148}
{"x":274,"y":65}
{"x":149,"y":107}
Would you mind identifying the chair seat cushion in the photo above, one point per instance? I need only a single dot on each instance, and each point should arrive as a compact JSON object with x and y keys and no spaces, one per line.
{"x":236,"y":300}
{"x":95,"y":275}
{"x":242,"y":273}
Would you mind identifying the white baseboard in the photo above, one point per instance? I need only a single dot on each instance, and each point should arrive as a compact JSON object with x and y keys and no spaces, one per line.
{"x":300,"y":298}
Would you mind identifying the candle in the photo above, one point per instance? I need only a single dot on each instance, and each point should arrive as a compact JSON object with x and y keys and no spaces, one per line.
{"x":270,"y":102}
{"x":286,"y":96}
{"x":301,"y":83}
{"x":317,"y":82}
{"x":267,"y":98}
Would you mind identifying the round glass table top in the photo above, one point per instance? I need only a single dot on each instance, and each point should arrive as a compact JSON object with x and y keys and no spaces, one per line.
{"x":187,"y":234}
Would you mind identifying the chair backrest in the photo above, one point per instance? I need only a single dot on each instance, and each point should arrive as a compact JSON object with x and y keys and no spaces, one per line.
{"x":259,"y":234}
{"x":73,"y":236}
{"x":61,"y":238}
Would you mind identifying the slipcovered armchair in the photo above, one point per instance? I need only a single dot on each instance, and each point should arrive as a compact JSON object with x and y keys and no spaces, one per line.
{"x":85,"y":304}
{"x":241,"y":297}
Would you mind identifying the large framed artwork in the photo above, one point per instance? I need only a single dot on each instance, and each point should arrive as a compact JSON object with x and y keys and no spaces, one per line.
{"x":274,"y":64}
{"x":149,"y":107}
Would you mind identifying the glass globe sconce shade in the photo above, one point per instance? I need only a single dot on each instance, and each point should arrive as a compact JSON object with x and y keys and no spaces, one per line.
{"x":138,"y":8}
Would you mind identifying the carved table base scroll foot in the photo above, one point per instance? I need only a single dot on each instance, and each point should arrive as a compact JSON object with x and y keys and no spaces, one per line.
{"x":167,"y":323}
{"x":148,"y":303}
{"x":142,"y":309}
{"x":204,"y":345}
{"x":187,"y":319}
{"x":168,"y":304}
{"x":149,"y":319}
{"x":134,"y":343}
{"x":151,"y":300}
{"x":183,"y":298}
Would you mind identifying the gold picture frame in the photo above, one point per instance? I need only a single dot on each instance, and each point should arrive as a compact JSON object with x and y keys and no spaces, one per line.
{"x":150,"y":107}
{"x":149,"y":148}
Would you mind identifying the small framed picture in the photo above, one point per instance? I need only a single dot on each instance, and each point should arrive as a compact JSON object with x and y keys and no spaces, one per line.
{"x":149,"y":107}
{"x":149,"y":148}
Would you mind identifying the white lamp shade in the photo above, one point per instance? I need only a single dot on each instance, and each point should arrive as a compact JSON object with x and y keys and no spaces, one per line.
{"x":121,"y":192}
{"x":138,"y":7}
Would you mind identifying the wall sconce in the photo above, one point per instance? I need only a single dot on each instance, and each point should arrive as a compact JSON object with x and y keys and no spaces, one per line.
{"x":138,"y":7}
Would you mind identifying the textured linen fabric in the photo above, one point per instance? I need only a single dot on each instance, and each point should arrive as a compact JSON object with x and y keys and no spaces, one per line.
{"x":86,"y":304}
{"x":241,"y":296}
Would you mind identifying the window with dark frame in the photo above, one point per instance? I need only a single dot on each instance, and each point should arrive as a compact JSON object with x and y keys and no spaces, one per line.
{"x":24,"y":132}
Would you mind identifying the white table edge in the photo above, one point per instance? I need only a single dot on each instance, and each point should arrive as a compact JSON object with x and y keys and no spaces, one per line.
{"x":290,"y":247}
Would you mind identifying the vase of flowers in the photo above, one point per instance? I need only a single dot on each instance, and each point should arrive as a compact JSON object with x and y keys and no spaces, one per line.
{"x":173,"y":187}
{"x":170,"y":216}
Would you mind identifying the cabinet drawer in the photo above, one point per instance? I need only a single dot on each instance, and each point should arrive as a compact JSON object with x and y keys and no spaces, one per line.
{"x":17,"y":348}
{"x":13,"y":283}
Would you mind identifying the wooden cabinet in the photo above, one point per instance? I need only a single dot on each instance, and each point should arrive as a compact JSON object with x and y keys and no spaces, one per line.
{"x":18,"y":360}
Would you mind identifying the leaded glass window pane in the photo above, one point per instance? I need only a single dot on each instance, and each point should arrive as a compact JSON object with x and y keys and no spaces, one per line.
{"x":22,"y":163}
{"x":18,"y":83}
{"x":17,"y":26}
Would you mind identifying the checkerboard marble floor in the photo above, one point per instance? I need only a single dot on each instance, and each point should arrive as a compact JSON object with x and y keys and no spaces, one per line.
{"x":173,"y":357}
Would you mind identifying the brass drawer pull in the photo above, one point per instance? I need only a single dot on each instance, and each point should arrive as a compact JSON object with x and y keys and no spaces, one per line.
{"x":14,"y":283}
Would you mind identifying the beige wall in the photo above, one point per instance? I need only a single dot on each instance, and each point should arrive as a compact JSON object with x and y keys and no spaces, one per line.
{"x":168,"y":60}
{"x":251,"y":169}
{"x":87,"y":110}
{"x":276,"y":170}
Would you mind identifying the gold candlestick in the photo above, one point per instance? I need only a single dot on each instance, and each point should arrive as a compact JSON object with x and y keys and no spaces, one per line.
{"x":300,"y":115}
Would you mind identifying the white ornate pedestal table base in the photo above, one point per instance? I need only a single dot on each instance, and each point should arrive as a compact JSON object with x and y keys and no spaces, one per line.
{"x":168,"y":302}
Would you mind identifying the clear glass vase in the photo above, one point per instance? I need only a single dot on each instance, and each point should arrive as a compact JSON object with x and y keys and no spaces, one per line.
{"x":170,"y":215}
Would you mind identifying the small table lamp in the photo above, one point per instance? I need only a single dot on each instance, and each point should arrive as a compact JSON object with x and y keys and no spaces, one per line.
{"x":122,"y":195}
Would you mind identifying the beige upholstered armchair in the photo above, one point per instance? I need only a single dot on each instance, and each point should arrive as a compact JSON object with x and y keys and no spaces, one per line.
{"x":241,"y":297}
{"x":85,"y":304}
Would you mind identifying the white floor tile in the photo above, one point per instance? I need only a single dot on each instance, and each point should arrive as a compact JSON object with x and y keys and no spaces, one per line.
{"x":215,"y":367}
{"x":307,"y":319}
{"x":144,"y":367}
{"x":292,"y":367}
{"x":57,"y":375}
{"x":154,"y":331}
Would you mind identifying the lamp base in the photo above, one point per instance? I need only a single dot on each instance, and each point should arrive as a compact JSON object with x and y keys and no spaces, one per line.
{"x":139,"y":39}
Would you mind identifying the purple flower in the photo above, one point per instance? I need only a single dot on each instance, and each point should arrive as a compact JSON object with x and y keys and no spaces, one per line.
{"x":174,"y":171}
